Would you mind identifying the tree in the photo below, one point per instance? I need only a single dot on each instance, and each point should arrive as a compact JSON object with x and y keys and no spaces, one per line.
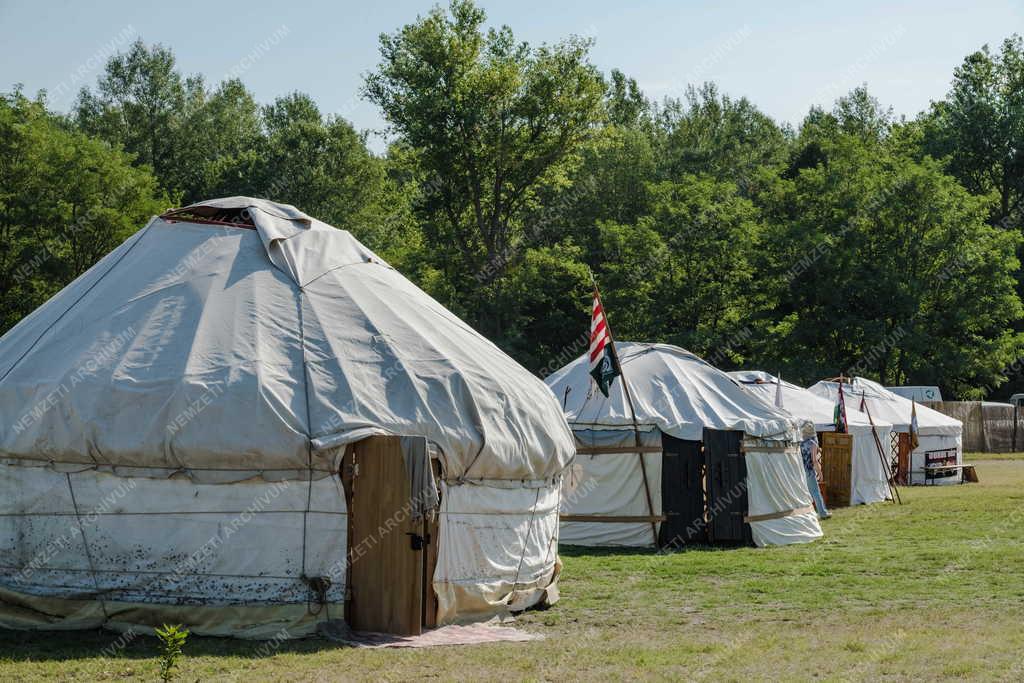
{"x":625,"y":102}
{"x":713,"y":134}
{"x":219,"y":145}
{"x":548,"y":292}
{"x":139,"y":104}
{"x":490,"y":120}
{"x":883,"y":265}
{"x":65,"y":201}
{"x":204,"y":143}
{"x":682,"y":273}
{"x":609,"y":183}
{"x":322,"y":165}
{"x":980,"y":128}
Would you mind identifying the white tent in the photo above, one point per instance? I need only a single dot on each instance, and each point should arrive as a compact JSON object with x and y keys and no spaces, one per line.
{"x":937,"y":432}
{"x":869,"y":473}
{"x":175,"y":420}
{"x":679,"y":395}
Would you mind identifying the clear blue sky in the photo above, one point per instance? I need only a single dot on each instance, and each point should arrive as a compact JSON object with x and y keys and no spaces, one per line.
{"x":784,"y":60}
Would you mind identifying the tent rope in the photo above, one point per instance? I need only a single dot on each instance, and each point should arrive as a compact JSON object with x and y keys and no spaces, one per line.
{"x":88,"y":554}
{"x":553,"y":541}
{"x":522,"y":556}
{"x":318,"y":586}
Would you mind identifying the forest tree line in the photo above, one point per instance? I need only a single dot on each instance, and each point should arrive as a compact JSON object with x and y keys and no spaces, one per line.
{"x":856,"y":242}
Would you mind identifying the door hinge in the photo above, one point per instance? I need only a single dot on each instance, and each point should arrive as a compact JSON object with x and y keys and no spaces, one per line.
{"x":416,"y":541}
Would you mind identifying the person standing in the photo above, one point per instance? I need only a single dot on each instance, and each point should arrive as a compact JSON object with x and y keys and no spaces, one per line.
{"x":809,"y":451}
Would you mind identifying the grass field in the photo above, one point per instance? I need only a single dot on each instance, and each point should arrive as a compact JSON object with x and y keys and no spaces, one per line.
{"x":930,"y":590}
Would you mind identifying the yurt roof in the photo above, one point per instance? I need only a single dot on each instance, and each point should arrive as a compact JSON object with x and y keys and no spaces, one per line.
{"x":262,"y":345}
{"x":803,"y":404}
{"x":672,"y":389}
{"x":885,"y":405}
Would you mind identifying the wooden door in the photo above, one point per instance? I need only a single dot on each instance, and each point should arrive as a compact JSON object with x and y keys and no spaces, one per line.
{"x":903,"y":450}
{"x":727,"y":487}
{"x":836,"y":462}
{"x":682,"y":493}
{"x":386,"y":550}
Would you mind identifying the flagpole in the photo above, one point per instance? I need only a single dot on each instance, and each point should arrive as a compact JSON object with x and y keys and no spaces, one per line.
{"x":632,"y":411}
{"x":893,"y":489}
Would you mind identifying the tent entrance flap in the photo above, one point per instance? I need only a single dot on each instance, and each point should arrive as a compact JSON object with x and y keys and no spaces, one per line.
{"x":682,"y":492}
{"x":388,"y":550}
{"x":727,"y":487}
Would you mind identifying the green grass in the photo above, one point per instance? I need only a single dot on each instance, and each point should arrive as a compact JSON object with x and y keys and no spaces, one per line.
{"x":931,"y":590}
{"x":974,"y":457}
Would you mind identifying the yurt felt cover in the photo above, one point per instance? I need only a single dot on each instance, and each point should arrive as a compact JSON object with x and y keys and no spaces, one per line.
{"x":677,"y":393}
{"x":869,"y":476}
{"x":199,"y":354}
{"x":936,"y":431}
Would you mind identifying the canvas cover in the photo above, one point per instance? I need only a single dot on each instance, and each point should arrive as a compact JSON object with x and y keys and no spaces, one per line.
{"x":677,"y":393}
{"x":937,"y":431}
{"x":869,"y":475}
{"x":198,"y":355}
{"x":612,"y":485}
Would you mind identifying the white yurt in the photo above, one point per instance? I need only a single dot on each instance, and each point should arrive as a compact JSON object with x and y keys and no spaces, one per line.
{"x":714,"y":463}
{"x":869,"y":474}
{"x":244,"y":421}
{"x":940,"y":437}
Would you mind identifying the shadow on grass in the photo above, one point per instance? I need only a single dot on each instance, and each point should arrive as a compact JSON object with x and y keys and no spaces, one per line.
{"x":55,"y":646}
{"x":595,"y":551}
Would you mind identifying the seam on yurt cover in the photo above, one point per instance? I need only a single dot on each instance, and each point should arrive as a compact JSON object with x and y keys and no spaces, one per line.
{"x":345,"y":265}
{"x":94,"y":464}
{"x":478,"y":422}
{"x":74,"y":303}
{"x":147,"y":572}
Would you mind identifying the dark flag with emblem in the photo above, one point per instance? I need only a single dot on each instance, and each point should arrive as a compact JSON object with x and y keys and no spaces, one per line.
{"x":839,"y":414}
{"x":604,"y":367}
{"x":914,"y":431}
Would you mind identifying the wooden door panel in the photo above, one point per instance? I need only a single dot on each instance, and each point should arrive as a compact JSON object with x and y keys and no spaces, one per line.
{"x":386,"y":571}
{"x":682,"y":492}
{"x":727,"y":493}
{"x":903,"y":451}
{"x":836,"y":463}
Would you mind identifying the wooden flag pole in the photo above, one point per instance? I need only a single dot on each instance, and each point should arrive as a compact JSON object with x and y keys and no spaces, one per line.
{"x":632,"y":412}
{"x":893,"y":489}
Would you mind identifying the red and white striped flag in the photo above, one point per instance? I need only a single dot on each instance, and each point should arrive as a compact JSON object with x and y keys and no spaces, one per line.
{"x":603,"y":366}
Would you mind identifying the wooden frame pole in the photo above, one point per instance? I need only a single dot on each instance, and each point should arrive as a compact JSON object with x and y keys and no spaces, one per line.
{"x":632,"y":414}
{"x":893,"y":489}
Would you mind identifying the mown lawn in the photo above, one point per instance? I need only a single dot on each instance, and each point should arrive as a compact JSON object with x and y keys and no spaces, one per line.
{"x":930,"y":590}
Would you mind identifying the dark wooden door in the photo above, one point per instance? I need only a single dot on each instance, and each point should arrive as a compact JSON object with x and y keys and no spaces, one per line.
{"x":682,"y":493}
{"x":727,"y":487}
{"x":387,"y":556}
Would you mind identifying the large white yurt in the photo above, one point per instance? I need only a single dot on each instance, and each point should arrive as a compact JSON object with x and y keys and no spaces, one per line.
{"x":869,"y":472}
{"x":940,"y":437}
{"x":244,"y":421}
{"x":714,"y":463}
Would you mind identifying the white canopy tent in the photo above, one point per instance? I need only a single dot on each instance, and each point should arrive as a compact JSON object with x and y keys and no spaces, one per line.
{"x":937,"y":432}
{"x":175,"y":419}
{"x":678,"y":394}
{"x":869,"y":475}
